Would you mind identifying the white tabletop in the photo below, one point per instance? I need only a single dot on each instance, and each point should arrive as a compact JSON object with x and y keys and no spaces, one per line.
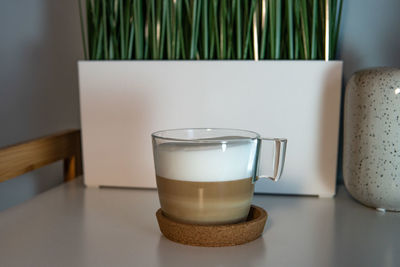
{"x":71,"y":225}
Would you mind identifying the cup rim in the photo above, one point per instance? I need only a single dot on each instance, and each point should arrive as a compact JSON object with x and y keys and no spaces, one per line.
{"x":239,"y":138}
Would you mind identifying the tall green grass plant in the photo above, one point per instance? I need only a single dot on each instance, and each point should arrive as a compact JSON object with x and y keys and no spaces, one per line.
{"x":208,"y":29}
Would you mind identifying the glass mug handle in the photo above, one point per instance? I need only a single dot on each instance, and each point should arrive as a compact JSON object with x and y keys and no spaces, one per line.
{"x":278,"y":158}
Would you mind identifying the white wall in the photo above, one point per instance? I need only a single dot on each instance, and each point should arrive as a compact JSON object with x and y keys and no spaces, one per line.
{"x":40,"y":44}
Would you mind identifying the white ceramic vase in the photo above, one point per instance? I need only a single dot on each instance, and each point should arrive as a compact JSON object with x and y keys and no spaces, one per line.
{"x":371,"y":152}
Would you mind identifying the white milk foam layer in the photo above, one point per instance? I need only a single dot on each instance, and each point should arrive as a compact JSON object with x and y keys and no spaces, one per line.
{"x":211,"y":163}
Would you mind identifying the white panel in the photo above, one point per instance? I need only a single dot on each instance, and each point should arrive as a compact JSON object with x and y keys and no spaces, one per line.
{"x":123,"y":102}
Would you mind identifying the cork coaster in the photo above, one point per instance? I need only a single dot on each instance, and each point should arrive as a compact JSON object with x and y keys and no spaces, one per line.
{"x":214,"y":235}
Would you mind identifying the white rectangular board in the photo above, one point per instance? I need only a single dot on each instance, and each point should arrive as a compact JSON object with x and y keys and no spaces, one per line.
{"x":123,"y":102}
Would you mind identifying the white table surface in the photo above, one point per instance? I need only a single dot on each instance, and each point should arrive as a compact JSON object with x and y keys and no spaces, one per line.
{"x":71,"y":225}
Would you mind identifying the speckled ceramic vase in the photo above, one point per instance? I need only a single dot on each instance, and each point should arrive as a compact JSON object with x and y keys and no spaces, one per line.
{"x":371,"y":148}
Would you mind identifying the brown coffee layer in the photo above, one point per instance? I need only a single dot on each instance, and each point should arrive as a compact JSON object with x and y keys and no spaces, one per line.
{"x":205,"y":202}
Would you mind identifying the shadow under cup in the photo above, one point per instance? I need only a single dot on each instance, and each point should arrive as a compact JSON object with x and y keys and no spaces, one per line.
{"x":205,"y":176}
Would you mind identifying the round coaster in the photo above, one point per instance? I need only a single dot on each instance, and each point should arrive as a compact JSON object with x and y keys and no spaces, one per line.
{"x":214,"y":235}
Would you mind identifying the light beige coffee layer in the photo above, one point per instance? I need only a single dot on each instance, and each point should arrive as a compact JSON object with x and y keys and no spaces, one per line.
{"x":205,"y":202}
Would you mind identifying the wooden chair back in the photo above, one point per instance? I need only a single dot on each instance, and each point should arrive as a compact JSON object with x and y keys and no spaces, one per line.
{"x":21,"y":158}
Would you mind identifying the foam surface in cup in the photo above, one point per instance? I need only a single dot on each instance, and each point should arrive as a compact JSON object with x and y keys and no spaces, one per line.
{"x":205,"y":163}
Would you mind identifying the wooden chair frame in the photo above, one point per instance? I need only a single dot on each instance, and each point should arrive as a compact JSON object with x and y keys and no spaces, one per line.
{"x":21,"y":158}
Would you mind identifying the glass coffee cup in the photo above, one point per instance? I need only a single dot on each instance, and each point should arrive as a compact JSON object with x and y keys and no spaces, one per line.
{"x":206,"y":176}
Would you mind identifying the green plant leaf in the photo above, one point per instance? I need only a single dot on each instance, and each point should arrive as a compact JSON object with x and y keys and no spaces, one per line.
{"x":314,"y":29}
{"x":204,"y":18}
{"x":272,"y":27}
{"x":238,"y":9}
{"x":195,"y":28}
{"x":264,"y":28}
{"x":304,"y":26}
{"x":216,"y":28}
{"x":248,"y":28}
{"x":278,"y":29}
{"x":335,"y":35}
{"x":139,"y":29}
{"x":289,"y":12}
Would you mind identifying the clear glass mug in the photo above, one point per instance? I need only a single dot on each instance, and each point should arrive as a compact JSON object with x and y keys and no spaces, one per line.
{"x":207,"y":176}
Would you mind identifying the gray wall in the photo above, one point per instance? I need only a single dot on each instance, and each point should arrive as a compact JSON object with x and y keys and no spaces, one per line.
{"x":370,"y":34}
{"x":370,"y":37}
{"x":40,"y":44}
